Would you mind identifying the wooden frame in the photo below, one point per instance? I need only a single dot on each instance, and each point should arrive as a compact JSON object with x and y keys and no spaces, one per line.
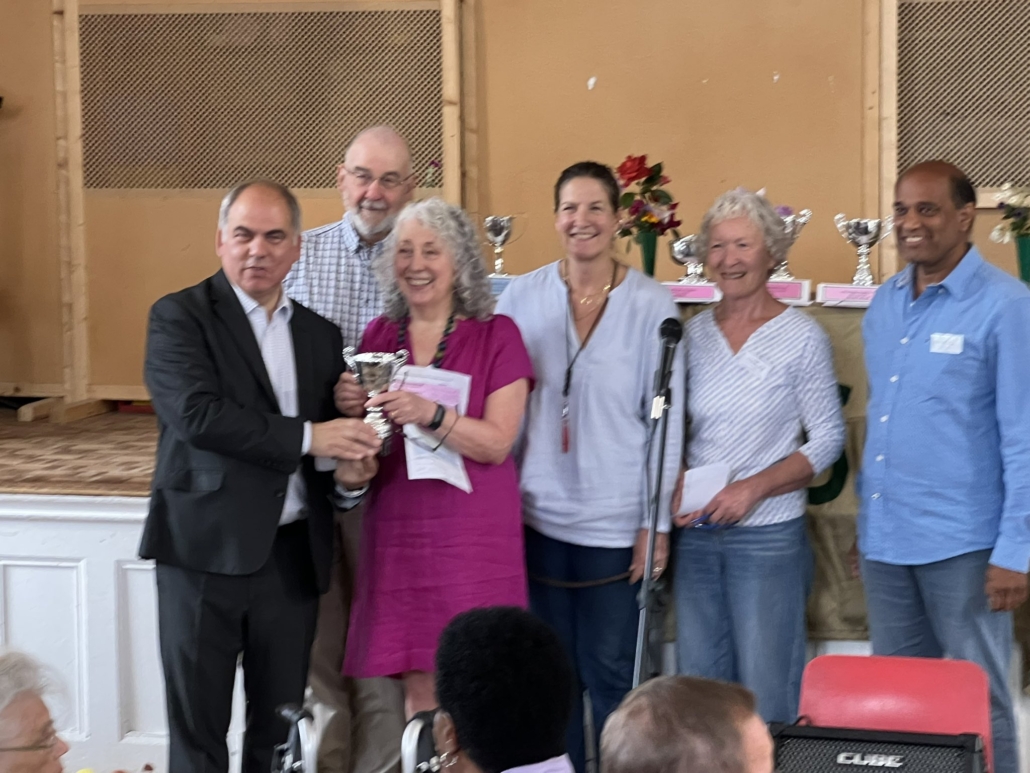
{"x":880,"y":124}
{"x":71,"y":215}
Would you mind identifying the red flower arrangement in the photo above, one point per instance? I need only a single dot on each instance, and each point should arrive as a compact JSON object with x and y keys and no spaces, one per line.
{"x":649,"y":208}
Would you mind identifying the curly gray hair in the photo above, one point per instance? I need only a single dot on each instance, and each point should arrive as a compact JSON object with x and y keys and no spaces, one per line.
{"x":19,"y":673}
{"x":757,"y":209}
{"x":472,"y":296}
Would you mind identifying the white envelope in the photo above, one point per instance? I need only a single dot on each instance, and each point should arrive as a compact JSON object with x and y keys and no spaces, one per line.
{"x":701,"y":484}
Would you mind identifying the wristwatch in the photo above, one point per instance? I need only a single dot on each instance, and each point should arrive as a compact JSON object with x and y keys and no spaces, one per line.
{"x":437,"y":421}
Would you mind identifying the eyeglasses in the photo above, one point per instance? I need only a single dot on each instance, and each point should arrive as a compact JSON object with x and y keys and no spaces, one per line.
{"x":47,"y":745}
{"x":388,"y":181}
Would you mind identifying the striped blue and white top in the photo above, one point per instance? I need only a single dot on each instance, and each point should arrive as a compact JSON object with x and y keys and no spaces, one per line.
{"x":752,"y":409}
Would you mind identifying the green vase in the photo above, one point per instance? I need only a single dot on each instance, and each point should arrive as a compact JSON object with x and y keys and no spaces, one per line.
{"x":1023,"y":257}
{"x":648,"y":241}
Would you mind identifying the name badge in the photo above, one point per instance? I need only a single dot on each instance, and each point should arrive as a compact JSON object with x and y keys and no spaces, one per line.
{"x":758,"y":367}
{"x":946,"y":343}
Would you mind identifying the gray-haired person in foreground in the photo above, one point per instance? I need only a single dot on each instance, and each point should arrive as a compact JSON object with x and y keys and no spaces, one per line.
{"x":684,"y":724}
{"x":29,"y":742}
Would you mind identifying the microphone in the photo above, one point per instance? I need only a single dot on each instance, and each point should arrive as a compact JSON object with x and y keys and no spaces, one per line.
{"x":670,"y":332}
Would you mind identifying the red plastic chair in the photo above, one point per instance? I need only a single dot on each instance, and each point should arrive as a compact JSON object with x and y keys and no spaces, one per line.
{"x":908,"y":695}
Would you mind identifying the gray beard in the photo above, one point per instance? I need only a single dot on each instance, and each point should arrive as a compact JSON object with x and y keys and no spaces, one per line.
{"x":369,"y":233}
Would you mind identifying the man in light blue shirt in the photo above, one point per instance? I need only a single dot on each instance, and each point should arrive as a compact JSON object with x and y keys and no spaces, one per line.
{"x":944,"y":523}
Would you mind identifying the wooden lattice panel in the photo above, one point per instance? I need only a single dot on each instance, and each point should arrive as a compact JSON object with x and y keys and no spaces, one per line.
{"x":964,"y":87}
{"x":204,"y":100}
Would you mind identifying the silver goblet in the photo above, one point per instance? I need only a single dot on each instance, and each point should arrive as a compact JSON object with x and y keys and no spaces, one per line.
{"x":498,"y":232}
{"x":864,"y":233}
{"x":684,"y":253}
{"x":375,"y":372}
{"x":792,"y":225}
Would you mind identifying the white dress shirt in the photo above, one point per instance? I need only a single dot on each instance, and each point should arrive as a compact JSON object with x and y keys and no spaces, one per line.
{"x":275,"y":339}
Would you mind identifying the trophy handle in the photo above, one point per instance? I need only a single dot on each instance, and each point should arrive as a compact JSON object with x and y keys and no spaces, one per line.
{"x":887,"y":225}
{"x":402,"y":358}
{"x":841,"y":221}
{"x":804,"y":216}
{"x":348,"y":358}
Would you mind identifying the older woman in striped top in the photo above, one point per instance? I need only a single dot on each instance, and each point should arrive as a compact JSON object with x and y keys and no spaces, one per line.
{"x":762,"y":398}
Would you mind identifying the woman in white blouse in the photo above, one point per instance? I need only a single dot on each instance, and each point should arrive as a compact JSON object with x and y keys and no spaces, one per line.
{"x":763,"y":399}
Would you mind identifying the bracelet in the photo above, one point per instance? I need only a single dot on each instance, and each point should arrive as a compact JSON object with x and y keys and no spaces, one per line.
{"x":438,"y":418}
{"x":448,"y":432}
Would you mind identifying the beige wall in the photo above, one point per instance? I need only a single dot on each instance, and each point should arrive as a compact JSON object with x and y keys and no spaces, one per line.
{"x":725,"y":94}
{"x":30,"y":285}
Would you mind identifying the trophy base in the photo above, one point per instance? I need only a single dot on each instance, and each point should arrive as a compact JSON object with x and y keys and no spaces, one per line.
{"x":702,"y":292}
{"x":846,"y":296}
{"x":793,"y":292}
{"x":498,"y":282}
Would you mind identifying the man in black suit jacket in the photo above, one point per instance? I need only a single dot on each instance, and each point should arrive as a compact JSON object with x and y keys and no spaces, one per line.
{"x":241,"y":514}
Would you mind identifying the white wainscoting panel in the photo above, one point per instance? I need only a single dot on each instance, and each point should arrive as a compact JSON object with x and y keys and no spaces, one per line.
{"x":41,"y":606}
{"x":141,"y":685}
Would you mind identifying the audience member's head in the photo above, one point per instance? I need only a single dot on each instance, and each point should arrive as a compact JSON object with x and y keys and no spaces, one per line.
{"x":505,"y":688}
{"x":28,"y":741}
{"x":682,"y":724}
{"x":375,"y":180}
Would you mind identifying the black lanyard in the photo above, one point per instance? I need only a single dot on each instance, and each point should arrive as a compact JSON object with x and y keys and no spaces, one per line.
{"x":441,"y":348}
{"x":567,"y":385}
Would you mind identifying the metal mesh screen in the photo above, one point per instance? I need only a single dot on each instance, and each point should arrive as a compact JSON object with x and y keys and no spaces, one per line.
{"x":963,"y":90}
{"x":204,"y":100}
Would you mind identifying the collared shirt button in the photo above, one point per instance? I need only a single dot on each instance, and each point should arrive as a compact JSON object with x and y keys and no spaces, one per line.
{"x":876,"y":495}
{"x":893,"y":379}
{"x":883,"y":418}
{"x":904,"y":340}
{"x":879,"y":457}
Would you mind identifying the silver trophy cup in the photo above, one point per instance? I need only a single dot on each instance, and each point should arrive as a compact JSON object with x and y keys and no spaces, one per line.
{"x":684,"y":253}
{"x":792,"y":225}
{"x":498,"y":232}
{"x":375,"y":372}
{"x":864,"y":234}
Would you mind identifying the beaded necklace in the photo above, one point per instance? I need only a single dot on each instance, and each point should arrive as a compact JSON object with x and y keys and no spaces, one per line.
{"x":441,"y":348}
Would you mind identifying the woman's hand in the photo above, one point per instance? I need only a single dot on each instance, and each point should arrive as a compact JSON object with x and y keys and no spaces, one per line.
{"x":728,"y":507}
{"x":677,"y":496}
{"x":356,"y":474}
{"x":404,"y":407}
{"x":349,"y":396}
{"x":661,"y":556}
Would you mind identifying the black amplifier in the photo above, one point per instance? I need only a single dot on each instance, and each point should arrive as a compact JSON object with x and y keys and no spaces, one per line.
{"x":811,"y":749}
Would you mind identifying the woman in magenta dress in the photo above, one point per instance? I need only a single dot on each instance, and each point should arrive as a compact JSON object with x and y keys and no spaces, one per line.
{"x":430,"y":551}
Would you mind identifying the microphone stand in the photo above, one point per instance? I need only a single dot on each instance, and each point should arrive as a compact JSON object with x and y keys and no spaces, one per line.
{"x":646,"y":597}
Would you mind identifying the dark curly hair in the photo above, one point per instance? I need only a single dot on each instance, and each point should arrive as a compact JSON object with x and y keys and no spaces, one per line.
{"x":504,"y":677}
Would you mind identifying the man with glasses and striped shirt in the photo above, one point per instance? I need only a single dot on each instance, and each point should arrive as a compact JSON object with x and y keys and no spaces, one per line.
{"x":334,"y":278}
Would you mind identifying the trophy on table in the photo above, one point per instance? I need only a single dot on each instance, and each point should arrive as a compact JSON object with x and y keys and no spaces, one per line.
{"x":783,"y":285}
{"x":864,"y":234}
{"x":792,"y":225}
{"x":692,"y":287}
{"x":375,"y":372}
{"x":498,"y":232}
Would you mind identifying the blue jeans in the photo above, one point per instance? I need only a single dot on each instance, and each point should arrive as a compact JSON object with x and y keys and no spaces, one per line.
{"x":941,"y":610}
{"x":597,"y":625}
{"x":740,"y":609}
